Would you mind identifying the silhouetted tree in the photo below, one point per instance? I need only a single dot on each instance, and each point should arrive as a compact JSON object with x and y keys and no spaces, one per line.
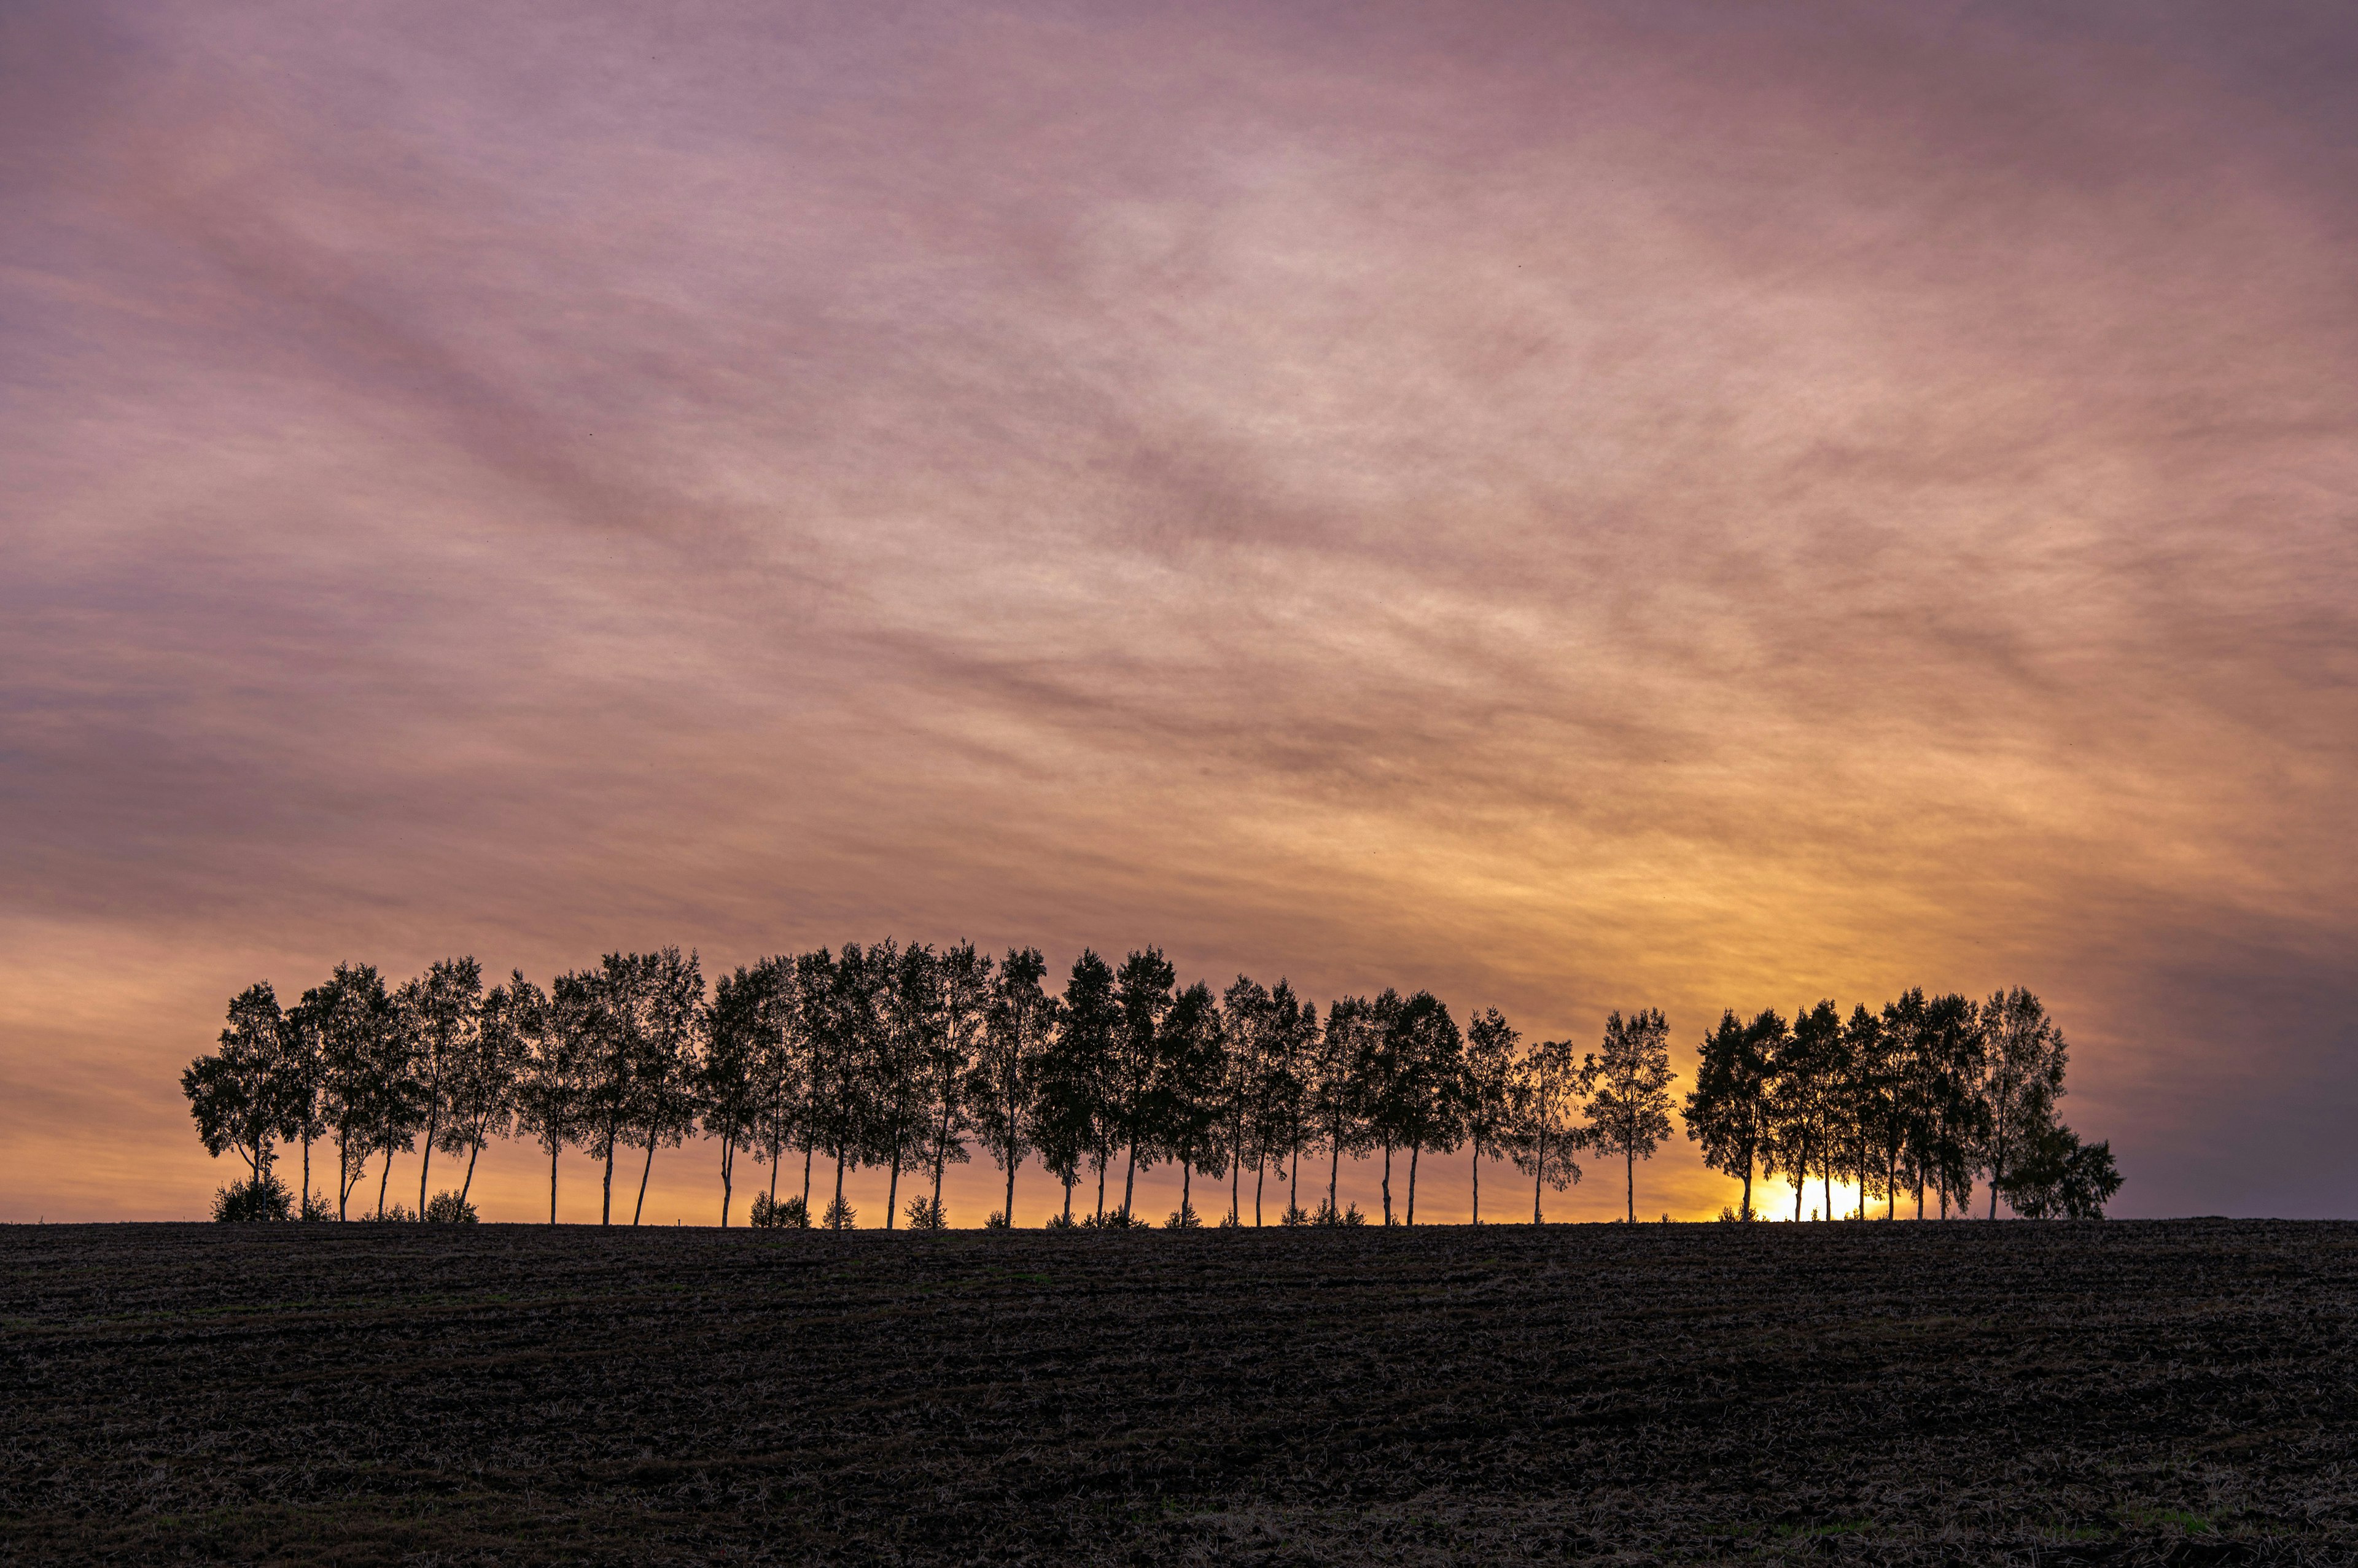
{"x":662,"y":1087}
{"x":1282,"y":1100}
{"x":1819,"y":1042}
{"x":1338,"y":1087}
{"x":237,"y":1095}
{"x":844,"y":998}
{"x":553,"y":1067}
{"x":369,"y":1096}
{"x":440,"y":1012}
{"x":1003,"y":1086}
{"x":1489,"y":1092}
{"x":1628,"y":1085}
{"x":1951,"y":1109}
{"x":1189,"y":1078}
{"x":2021,"y":1079}
{"x":1384,"y":1074}
{"x":1247,"y":1018}
{"x":480,"y":1084}
{"x":1901,"y":1046}
{"x":1431,"y":1054}
{"x":605,"y":1010}
{"x":2056,"y":1177}
{"x":1727,"y":1112}
{"x":782,"y":1073}
{"x":1142,"y":991}
{"x":911,"y":1021}
{"x":1076,"y":1112}
{"x":1547,"y":1089}
{"x":1804,"y":1073}
{"x":739,"y":1023}
{"x":964,"y":978}
{"x":303,"y":1066}
{"x":1854,"y":1093}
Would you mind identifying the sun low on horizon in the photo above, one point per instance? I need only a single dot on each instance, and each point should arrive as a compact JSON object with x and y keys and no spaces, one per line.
{"x":1575,"y":508}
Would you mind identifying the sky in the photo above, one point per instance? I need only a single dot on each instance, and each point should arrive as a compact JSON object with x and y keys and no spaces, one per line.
{"x":1574,"y":506}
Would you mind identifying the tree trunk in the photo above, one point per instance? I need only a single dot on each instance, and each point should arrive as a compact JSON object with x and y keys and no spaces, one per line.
{"x":893,"y":1190}
{"x":1261,"y":1175}
{"x":1129,"y":1179}
{"x":1538,"y":1181}
{"x":941,"y":1150}
{"x":1293,"y":1174}
{"x":1413,"y":1151}
{"x":806,"y":1166}
{"x":1101,"y":1176}
{"x":1478,"y":1184}
{"x":1068,"y":1202}
{"x":383,"y":1177}
{"x":1826,"y":1182}
{"x":1186,"y":1181}
{"x":1236,"y":1184}
{"x":606,"y":1208}
{"x":552,"y":1182}
{"x":1387,"y":1185}
{"x":643,"y":1172}
{"x":1333,"y":1170}
{"x":1629,"y":1167}
{"x":1747,"y":1186}
{"x":727,"y":1151}
{"x":307,"y":1179}
{"x":838,"y":1187}
{"x":468,"y":1185}
{"x":1014,"y":1159}
{"x":426,"y":1163}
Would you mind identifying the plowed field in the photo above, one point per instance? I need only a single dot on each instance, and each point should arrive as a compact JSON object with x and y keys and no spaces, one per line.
{"x":1968,"y":1392}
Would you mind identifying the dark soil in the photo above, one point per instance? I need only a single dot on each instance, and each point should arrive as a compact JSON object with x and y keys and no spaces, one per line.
{"x":1968,"y":1392}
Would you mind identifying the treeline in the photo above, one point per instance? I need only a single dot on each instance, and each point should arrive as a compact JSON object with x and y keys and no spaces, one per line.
{"x":905,"y":1059}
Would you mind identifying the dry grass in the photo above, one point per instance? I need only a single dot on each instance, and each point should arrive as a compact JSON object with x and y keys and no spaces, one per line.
{"x":1885,"y":1393}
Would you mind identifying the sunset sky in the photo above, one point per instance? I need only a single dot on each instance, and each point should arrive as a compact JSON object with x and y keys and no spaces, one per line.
{"x":1574,"y":507}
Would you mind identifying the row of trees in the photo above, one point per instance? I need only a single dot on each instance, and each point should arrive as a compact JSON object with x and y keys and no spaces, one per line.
{"x":905,"y":1058}
{"x":1922,"y":1098}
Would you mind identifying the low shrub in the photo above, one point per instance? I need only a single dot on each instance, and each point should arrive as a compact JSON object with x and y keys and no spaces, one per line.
{"x":1184,"y":1217}
{"x":839,"y":1215}
{"x":316,"y":1206}
{"x":450,"y":1208}
{"x":260,"y":1198}
{"x":998,"y":1221}
{"x":1066,"y":1222}
{"x":926,"y":1213}
{"x":1295,"y":1215}
{"x":770,"y":1214}
{"x":392,"y":1216}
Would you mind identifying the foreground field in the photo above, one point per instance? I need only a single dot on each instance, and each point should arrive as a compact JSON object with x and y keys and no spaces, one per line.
{"x":1887,"y":1394}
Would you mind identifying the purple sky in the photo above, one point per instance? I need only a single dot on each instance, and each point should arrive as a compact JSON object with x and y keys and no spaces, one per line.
{"x":1574,"y":506}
